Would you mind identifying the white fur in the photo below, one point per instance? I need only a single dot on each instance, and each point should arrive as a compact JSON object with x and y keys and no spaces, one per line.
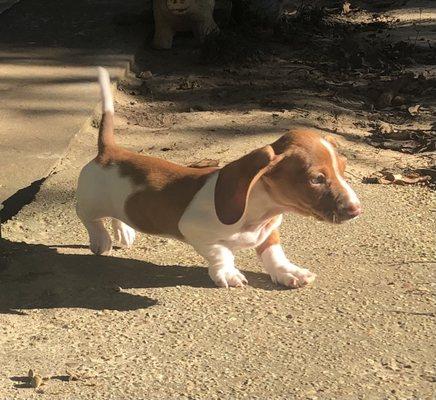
{"x":123,"y":233}
{"x":100,"y":241}
{"x":352,"y":197}
{"x":282,"y":271}
{"x":216,"y":241}
{"x":105,"y":88}
{"x":221,"y":265}
{"x":101,"y":193}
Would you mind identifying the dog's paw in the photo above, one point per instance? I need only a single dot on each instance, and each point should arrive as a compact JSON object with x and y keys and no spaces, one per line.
{"x":123,"y":233}
{"x":100,"y":242}
{"x":292,"y":276}
{"x":227,"y":277}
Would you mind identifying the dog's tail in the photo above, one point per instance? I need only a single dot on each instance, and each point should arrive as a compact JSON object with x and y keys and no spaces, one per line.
{"x":106,"y":132}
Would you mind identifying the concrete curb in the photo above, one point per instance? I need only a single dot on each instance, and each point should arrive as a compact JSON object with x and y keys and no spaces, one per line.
{"x":48,"y":82}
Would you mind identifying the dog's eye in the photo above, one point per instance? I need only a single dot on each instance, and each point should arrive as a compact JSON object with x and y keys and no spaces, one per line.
{"x":319,"y":179}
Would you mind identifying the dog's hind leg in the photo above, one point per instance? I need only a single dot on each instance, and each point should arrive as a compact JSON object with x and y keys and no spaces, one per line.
{"x":100,"y":241}
{"x":87,"y":209}
{"x":123,"y":233}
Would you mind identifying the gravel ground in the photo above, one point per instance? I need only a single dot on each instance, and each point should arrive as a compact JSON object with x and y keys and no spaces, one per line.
{"x":147,"y":323}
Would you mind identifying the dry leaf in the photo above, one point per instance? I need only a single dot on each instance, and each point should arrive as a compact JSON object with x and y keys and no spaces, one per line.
{"x":414,"y":110}
{"x":204,"y":163}
{"x":389,"y":178}
{"x":72,"y":375}
{"x":404,"y":140}
{"x":346,"y":7}
{"x":36,"y":381}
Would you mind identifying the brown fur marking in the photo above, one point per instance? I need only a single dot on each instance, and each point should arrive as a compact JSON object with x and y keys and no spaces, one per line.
{"x":273,"y":238}
{"x":168,"y":189}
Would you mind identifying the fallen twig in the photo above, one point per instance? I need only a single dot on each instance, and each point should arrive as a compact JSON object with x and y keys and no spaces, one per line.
{"x":411,"y":262}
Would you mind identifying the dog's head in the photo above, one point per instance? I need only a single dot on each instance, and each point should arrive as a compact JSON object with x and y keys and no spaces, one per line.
{"x":302,"y":172}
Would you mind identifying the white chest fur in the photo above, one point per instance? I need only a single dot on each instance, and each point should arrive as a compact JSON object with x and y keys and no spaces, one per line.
{"x":200,"y":224}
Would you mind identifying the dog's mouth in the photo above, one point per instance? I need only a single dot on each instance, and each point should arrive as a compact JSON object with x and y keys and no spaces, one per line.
{"x":333,"y":217}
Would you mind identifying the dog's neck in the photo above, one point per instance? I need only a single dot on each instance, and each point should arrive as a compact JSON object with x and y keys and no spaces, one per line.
{"x":261,"y":206}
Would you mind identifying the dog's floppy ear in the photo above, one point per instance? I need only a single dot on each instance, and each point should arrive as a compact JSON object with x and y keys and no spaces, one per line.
{"x":236,"y":180}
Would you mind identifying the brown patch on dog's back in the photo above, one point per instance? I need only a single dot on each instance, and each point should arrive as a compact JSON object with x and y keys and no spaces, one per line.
{"x":168,"y":190}
{"x":164,"y":190}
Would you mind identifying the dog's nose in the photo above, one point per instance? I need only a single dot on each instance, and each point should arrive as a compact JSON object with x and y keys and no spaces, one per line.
{"x":349,"y":211}
{"x":353,"y":210}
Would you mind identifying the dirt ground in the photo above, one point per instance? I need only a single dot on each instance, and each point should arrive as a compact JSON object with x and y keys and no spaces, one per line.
{"x":147,"y":323}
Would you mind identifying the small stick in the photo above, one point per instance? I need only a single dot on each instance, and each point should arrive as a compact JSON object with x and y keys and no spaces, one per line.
{"x":420,"y":262}
{"x":427,"y":314}
{"x":413,"y":262}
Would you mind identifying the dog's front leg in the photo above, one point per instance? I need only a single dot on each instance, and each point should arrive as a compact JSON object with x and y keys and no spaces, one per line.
{"x":278,"y":266}
{"x":222,"y":268}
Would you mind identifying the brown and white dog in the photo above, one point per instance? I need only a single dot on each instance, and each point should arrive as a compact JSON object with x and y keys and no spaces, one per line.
{"x":216,"y":210}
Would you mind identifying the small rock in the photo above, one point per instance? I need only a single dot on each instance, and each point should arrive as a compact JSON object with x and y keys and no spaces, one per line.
{"x":95,"y":122}
{"x":385,"y":100}
{"x":390,"y":363}
{"x":398,"y":101}
{"x":385,"y":128}
{"x":145,"y":75}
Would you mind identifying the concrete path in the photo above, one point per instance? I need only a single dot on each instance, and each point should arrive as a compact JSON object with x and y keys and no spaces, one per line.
{"x":48,"y":79}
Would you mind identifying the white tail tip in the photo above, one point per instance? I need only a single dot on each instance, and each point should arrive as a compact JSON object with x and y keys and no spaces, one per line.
{"x":105,"y":88}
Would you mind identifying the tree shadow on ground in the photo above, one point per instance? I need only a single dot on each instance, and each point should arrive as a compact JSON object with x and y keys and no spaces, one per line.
{"x":37,"y":276}
{"x":81,"y":24}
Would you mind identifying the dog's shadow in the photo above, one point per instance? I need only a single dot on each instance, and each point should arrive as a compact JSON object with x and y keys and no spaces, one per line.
{"x":37,"y":276}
